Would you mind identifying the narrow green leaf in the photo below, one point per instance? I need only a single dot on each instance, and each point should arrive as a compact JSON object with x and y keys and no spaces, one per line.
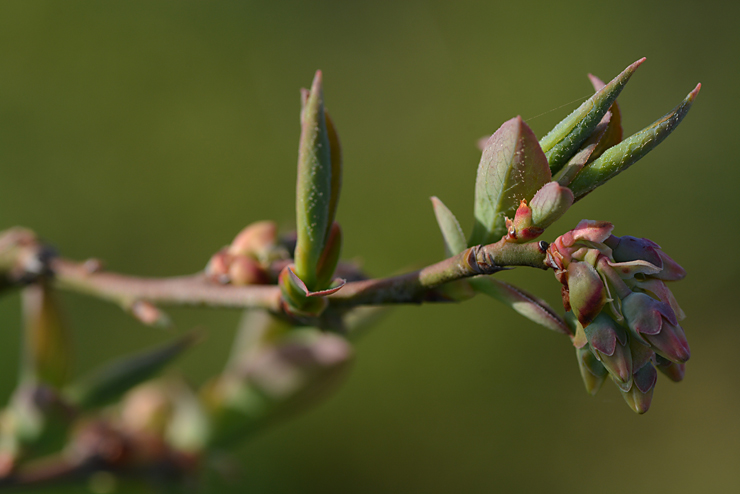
{"x":110,"y":382}
{"x":451,"y":232}
{"x":512,"y":168}
{"x":613,"y":134}
{"x":562,"y":141}
{"x":314,"y":188}
{"x":526,"y":304}
{"x":623,"y":155}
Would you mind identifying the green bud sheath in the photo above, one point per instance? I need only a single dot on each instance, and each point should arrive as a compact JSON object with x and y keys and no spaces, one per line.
{"x":567,"y":136}
{"x":314,"y":187}
{"x":330,"y":257}
{"x":618,"y":158}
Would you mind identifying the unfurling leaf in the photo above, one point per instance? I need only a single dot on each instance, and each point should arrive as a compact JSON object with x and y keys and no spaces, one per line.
{"x":618,"y":158}
{"x":512,"y":168}
{"x":564,"y":140}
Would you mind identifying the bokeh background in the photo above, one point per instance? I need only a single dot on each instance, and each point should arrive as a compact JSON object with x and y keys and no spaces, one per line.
{"x":147,"y":133}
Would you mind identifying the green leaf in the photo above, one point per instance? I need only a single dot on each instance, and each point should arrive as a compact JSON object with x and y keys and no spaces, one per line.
{"x":314,"y":188}
{"x":618,"y":158}
{"x":526,"y":304}
{"x":512,"y":168}
{"x":110,"y":382}
{"x":451,"y":232}
{"x":613,"y":134}
{"x":562,"y":141}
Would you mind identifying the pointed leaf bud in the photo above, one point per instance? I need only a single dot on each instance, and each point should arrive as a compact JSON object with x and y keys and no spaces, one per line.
{"x":618,"y":158}
{"x":563,"y":141}
{"x":314,"y":189}
{"x":613,"y":134}
{"x":110,"y":382}
{"x":512,"y":168}
{"x":46,"y":339}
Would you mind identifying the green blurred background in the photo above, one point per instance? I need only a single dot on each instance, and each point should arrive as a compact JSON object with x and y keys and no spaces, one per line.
{"x":147,"y":133}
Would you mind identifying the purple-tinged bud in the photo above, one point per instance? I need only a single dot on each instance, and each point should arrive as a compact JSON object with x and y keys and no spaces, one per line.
{"x":640,"y":395}
{"x":611,"y":282}
{"x":672,"y":271}
{"x":609,"y":344}
{"x":629,"y":248}
{"x":645,"y":315}
{"x":654,"y":322}
{"x":593,"y":372}
{"x":670,"y":343}
{"x":586,"y":292}
{"x":674,"y":371}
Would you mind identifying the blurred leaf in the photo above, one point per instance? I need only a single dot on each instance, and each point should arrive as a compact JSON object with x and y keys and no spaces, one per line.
{"x":110,"y":382}
{"x":512,"y":168}
{"x":47,"y":340}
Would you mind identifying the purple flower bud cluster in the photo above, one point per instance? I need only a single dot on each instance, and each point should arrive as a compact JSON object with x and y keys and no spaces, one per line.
{"x":625,"y":319}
